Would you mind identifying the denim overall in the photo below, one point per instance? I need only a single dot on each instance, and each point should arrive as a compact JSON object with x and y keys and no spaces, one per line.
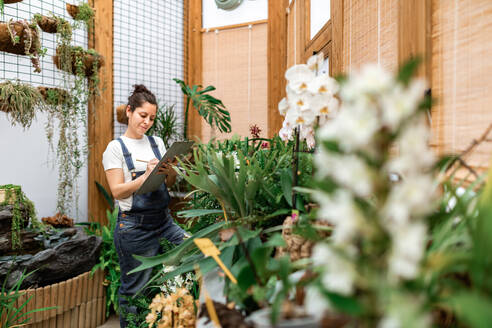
{"x":138,"y":232}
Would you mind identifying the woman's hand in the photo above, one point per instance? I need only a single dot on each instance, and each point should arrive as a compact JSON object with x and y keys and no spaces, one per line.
{"x":167,"y":169}
{"x":150,"y":166}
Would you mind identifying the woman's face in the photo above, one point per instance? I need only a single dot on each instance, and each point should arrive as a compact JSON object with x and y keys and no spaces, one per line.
{"x":142,"y":118}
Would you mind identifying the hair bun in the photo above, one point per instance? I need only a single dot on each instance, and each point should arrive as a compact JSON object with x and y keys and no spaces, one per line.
{"x":138,"y":88}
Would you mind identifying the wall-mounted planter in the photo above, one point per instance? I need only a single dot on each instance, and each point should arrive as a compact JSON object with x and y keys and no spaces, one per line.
{"x":48,"y":24}
{"x":81,"y":303}
{"x":87,"y":58}
{"x":72,"y":10}
{"x":121,"y":114}
{"x":18,"y":28}
{"x":54,"y":96}
{"x":11,"y":1}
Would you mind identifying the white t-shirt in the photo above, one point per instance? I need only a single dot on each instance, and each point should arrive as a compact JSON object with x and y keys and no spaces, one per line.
{"x":139,"y":149}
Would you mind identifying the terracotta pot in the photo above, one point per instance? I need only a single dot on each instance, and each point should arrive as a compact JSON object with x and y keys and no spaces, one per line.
{"x":48,"y":24}
{"x":11,"y":1}
{"x":63,"y":95}
{"x":121,"y":114}
{"x":72,"y":10}
{"x":18,"y":48}
{"x":88,"y":61}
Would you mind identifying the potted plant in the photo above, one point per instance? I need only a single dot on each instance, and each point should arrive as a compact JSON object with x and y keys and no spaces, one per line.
{"x":22,"y":38}
{"x":20,"y":101}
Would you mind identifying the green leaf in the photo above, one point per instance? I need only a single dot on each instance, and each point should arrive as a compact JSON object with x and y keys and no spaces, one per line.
{"x":408,"y":69}
{"x":473,"y":309}
{"x":197,"y":213}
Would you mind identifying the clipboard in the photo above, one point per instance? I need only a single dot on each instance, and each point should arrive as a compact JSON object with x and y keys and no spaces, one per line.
{"x":154,"y":180}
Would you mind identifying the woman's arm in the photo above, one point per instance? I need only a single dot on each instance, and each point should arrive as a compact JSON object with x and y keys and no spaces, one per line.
{"x":121,"y":189}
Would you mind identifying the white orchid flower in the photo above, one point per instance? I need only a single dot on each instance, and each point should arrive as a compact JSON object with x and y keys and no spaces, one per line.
{"x":315,"y":62}
{"x":323,"y":84}
{"x":299,"y":77}
{"x":296,"y":116}
{"x":283,"y":106}
{"x":409,"y":242}
{"x":372,"y":79}
{"x":401,"y":102}
{"x":324,"y":104}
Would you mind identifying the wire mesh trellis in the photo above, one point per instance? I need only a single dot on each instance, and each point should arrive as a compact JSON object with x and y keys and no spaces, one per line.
{"x":15,"y":67}
{"x":148,"y":49}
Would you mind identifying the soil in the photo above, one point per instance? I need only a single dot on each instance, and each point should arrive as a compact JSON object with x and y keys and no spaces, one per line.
{"x":58,"y":221}
{"x":11,"y":1}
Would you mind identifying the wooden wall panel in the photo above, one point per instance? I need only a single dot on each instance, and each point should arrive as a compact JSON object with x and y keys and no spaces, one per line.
{"x":461,"y":79}
{"x":277,"y":57}
{"x":100,"y":126}
{"x":193,"y":58}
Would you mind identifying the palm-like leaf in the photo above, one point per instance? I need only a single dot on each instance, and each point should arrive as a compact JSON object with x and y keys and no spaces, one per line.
{"x":209,"y":107}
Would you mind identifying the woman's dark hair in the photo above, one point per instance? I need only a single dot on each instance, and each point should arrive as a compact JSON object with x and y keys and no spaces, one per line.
{"x":139,"y":96}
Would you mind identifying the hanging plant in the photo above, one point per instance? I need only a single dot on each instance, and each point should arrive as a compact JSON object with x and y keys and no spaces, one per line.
{"x":22,"y":38}
{"x":54,"y":96}
{"x":87,"y":62}
{"x":82,"y":13}
{"x":23,"y":210}
{"x":20,"y":101}
{"x":71,"y":151}
{"x":54,"y":24}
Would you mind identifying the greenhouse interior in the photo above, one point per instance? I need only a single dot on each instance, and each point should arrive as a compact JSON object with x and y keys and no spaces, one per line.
{"x":245,"y":163}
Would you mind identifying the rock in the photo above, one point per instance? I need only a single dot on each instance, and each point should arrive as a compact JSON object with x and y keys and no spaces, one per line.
{"x":29,"y":243}
{"x":66,"y":260}
{"x":6,"y":218}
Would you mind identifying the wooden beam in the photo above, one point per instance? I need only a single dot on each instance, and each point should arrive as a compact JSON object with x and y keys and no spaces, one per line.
{"x":100,"y":120}
{"x":277,"y":61}
{"x":193,"y":60}
{"x":414,"y":33}
{"x":336,"y":55}
{"x":230,"y":27}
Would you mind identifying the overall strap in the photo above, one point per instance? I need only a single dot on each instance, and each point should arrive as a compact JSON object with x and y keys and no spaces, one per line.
{"x":127,"y":155}
{"x":155,"y":149}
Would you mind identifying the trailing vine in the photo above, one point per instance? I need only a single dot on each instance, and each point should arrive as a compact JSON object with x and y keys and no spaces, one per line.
{"x":15,"y":197}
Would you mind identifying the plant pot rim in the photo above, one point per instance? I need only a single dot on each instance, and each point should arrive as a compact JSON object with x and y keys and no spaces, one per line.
{"x":261,"y":319}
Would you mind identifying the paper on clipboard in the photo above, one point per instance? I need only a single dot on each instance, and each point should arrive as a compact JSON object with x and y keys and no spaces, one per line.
{"x":154,"y":180}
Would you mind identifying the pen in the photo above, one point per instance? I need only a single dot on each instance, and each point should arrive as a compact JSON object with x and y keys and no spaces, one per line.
{"x":141,"y":160}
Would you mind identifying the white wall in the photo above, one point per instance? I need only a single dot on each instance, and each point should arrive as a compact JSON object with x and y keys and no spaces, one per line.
{"x":247,"y":11}
{"x":24,"y":156}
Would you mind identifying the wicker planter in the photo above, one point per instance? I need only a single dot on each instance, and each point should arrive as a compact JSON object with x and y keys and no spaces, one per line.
{"x":19,"y":48}
{"x":88,"y":60}
{"x":81,"y":303}
{"x":121,"y":114}
{"x":48,"y":24}
{"x":3,"y":196}
{"x":72,"y":10}
{"x":63,"y":95}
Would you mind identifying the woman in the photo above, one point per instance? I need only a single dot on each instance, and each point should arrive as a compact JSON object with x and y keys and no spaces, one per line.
{"x":143,"y":219}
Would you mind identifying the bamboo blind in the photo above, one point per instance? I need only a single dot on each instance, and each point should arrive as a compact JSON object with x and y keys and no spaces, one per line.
{"x":80,"y":301}
{"x":235,"y":62}
{"x":461,"y":67}
{"x":370,"y":33}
